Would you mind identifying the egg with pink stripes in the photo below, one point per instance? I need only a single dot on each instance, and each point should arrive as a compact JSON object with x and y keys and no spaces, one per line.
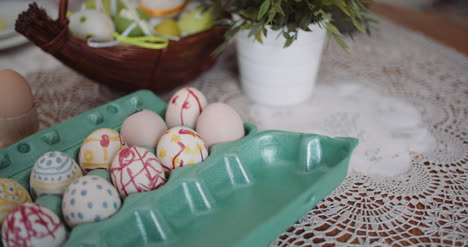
{"x":136,"y":169}
{"x":185,"y":107}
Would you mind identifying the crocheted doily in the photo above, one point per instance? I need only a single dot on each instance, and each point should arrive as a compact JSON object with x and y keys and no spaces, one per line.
{"x":403,"y":95}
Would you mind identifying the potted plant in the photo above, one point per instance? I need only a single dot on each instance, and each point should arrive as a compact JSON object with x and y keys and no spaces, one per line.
{"x":280,"y":42}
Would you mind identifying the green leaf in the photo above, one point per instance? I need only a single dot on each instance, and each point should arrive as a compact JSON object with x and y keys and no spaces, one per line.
{"x":258,"y":36}
{"x":358,"y":26}
{"x":263,"y":9}
{"x":341,"y":43}
{"x":289,"y":16}
{"x":331,"y":28}
{"x":278,"y":9}
{"x":288,"y":43}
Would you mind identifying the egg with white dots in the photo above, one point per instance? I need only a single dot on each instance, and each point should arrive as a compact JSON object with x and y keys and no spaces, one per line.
{"x":89,"y":199}
{"x":52,"y":173}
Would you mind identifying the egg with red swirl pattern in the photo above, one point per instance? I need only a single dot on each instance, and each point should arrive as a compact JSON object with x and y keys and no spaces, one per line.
{"x":180,"y":146}
{"x":185,"y":107}
{"x":135,"y":169}
{"x":32,"y":224}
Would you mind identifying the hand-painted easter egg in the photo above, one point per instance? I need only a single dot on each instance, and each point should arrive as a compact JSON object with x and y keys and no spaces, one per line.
{"x":185,"y":107}
{"x":143,"y":128}
{"x":180,"y":146}
{"x":99,"y":148}
{"x":168,"y":27}
{"x":162,"y":7}
{"x":135,"y":169}
{"x":52,"y":173}
{"x":89,"y":199}
{"x":91,"y":23}
{"x":32,"y":224}
{"x":12,"y":194}
{"x":196,"y":21}
{"x":220,"y":123}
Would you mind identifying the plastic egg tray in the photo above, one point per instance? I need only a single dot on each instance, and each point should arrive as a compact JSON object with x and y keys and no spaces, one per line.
{"x":246,"y":193}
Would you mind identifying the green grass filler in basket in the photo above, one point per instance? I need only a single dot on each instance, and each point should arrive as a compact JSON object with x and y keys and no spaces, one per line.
{"x":149,"y":25}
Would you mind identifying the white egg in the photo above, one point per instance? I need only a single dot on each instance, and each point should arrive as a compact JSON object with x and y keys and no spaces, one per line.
{"x":32,"y":224}
{"x":89,"y":199}
{"x":185,"y":107}
{"x":135,"y":169}
{"x":99,"y":148}
{"x":52,"y":173}
{"x":180,"y":146}
{"x":90,"y":23}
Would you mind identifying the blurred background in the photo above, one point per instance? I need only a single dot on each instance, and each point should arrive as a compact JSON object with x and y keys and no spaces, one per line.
{"x":443,"y":20}
{"x":456,"y":10}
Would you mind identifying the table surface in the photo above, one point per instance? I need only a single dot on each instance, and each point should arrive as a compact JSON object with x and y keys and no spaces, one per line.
{"x":414,"y":84}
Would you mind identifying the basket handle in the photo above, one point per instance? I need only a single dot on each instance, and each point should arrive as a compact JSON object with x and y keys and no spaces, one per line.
{"x":63,"y":8}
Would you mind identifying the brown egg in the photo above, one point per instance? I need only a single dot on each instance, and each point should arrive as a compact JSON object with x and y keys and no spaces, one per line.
{"x":219,"y":123}
{"x":15,"y":94}
{"x":18,"y":115}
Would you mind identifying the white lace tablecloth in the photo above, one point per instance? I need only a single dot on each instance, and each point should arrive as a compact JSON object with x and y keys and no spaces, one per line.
{"x":404,"y":96}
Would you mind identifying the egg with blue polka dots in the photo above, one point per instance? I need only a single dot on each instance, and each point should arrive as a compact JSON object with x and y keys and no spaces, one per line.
{"x":52,"y":173}
{"x":89,"y":199}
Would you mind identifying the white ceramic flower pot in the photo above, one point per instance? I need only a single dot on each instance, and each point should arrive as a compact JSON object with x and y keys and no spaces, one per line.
{"x":273,"y":75}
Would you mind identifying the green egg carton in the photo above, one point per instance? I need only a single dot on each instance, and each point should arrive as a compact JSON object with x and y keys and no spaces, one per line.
{"x":246,"y":193}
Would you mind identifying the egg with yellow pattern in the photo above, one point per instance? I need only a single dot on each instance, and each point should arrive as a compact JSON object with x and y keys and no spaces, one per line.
{"x":180,"y":146}
{"x":99,"y":148}
{"x":12,"y":194}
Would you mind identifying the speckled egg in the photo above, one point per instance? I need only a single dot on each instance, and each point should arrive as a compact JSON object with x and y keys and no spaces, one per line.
{"x":184,"y":108}
{"x":180,"y":146}
{"x":135,"y":169}
{"x":52,"y":173}
{"x":12,"y":194}
{"x":89,"y":199}
{"x":99,"y":148}
{"x":32,"y":224}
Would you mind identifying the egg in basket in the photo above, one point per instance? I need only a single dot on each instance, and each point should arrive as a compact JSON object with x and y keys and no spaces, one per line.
{"x":155,"y":44}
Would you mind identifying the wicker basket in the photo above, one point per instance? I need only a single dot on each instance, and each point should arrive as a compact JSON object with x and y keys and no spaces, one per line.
{"x":124,"y":67}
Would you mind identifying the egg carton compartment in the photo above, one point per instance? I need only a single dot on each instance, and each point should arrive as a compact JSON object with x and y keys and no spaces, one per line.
{"x":17,"y":160}
{"x":245,"y":193}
